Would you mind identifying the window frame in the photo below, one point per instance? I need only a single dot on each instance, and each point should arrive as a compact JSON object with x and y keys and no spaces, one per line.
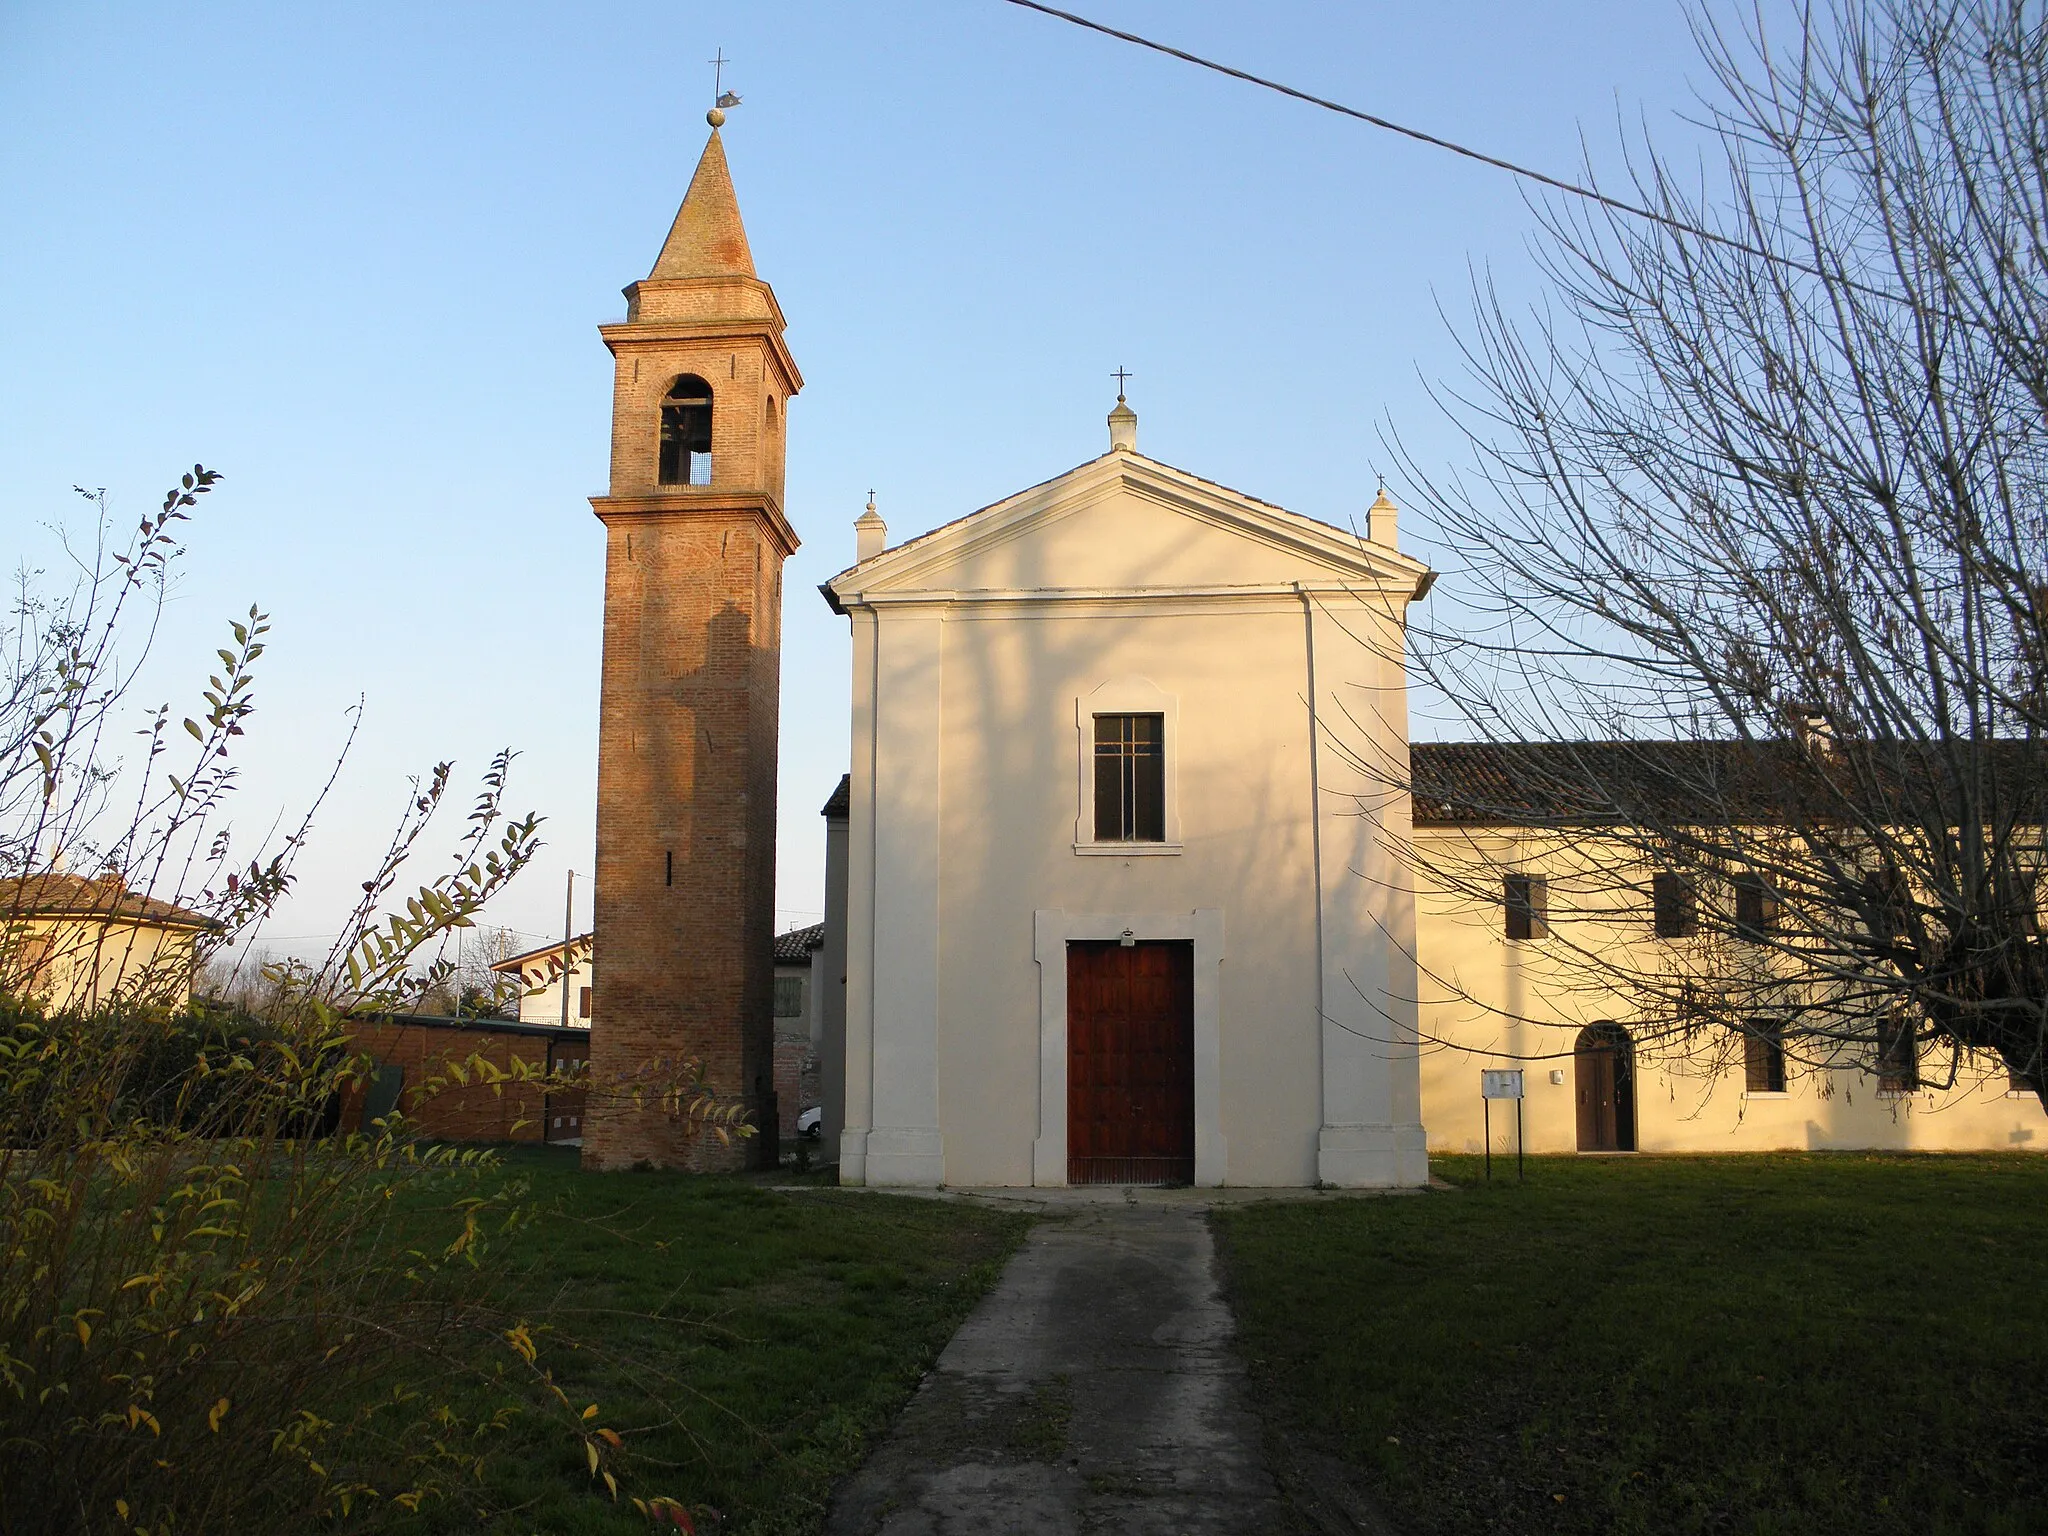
{"x":1763,"y":1056}
{"x":1890,"y":898}
{"x":1132,"y":745}
{"x":1897,"y":1061}
{"x":1529,"y":910}
{"x":1754,"y":891}
{"x":1129,"y":695}
{"x":795,"y":985}
{"x":1674,"y":895}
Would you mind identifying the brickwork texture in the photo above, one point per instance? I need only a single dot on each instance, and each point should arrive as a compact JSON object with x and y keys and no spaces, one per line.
{"x":687,"y":732}
{"x":425,"y":1051}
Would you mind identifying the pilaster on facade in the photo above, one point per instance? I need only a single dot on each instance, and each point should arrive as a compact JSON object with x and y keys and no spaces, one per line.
{"x":904,"y":1145}
{"x":857,"y":1112}
{"x":1372,"y":1132}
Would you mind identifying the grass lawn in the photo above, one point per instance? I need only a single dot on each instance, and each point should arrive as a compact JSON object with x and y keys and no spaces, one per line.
{"x":745,"y":1345}
{"x":1832,"y":1343}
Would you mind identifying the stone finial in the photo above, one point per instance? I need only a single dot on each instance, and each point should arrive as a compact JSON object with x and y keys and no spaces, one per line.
{"x":1380,"y":518}
{"x":1123,"y":428}
{"x":870,"y":533}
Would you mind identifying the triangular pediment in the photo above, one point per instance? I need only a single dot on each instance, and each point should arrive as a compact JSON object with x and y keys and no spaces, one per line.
{"x":1126,"y":523}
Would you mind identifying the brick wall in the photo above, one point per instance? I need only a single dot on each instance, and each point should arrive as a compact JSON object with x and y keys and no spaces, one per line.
{"x":424,"y":1049}
{"x":687,"y":727}
{"x":796,"y":1079}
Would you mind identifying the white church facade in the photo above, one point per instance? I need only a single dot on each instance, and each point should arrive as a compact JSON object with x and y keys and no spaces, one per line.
{"x":1122,"y":900}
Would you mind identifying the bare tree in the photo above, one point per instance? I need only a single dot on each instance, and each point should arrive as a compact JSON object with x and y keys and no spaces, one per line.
{"x":482,"y":991}
{"x":1769,"y":479}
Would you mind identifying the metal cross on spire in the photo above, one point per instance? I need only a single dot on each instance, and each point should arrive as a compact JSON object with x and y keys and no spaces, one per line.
{"x":1122,"y":373}
{"x":721,"y":98}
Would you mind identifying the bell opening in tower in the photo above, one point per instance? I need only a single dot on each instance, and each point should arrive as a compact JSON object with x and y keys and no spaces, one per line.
{"x":686,"y":433}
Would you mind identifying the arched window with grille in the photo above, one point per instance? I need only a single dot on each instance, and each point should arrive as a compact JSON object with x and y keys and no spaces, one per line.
{"x":686,"y":433}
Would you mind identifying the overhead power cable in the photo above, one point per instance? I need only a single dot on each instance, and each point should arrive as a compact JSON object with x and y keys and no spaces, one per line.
{"x":1572,"y":188}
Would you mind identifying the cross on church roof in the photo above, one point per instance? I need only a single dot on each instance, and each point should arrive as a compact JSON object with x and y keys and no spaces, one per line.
{"x":1120,"y":375}
{"x":718,"y":73}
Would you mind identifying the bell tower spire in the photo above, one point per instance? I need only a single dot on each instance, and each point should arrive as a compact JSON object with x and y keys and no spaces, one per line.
{"x":695,"y":537}
{"x":707,"y":239}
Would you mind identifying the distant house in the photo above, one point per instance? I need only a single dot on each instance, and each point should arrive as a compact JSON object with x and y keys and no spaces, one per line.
{"x":542,"y":984}
{"x":70,"y":942}
{"x":799,"y":1026}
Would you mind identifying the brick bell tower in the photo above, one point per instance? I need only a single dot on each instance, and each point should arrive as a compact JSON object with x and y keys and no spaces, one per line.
{"x":695,"y":538}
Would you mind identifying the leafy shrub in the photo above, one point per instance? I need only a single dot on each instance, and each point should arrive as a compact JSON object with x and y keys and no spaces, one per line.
{"x":218,"y":1310}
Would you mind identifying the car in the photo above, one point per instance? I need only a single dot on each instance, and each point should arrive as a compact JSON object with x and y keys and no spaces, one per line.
{"x":811,"y":1123}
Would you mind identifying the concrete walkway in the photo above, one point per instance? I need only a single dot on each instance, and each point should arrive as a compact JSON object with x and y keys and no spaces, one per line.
{"x":1092,"y":1391}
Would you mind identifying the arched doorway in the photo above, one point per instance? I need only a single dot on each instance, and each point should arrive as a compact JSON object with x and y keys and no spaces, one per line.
{"x":1603,"y":1063}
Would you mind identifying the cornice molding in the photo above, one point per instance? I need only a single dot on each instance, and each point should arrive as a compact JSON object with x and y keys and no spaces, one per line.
{"x":652,"y":335}
{"x":1278,"y":597}
{"x":691,"y":505}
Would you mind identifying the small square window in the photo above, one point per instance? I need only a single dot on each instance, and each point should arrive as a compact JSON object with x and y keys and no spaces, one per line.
{"x":789,"y":997}
{"x":1673,"y":906}
{"x":1527,"y":900}
{"x":1130,"y":778}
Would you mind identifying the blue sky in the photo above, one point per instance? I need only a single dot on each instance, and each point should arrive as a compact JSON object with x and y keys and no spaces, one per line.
{"x":356,"y":256}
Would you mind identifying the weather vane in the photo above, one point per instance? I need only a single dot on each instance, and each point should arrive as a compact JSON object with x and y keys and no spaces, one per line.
{"x":720,"y":97}
{"x":1120,"y":375}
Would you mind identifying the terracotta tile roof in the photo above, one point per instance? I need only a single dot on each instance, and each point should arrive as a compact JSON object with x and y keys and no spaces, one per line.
{"x":66,"y":895}
{"x":795,"y":946}
{"x":1534,"y":783}
{"x":579,"y":946}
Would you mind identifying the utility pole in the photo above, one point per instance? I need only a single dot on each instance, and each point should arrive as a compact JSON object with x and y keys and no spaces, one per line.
{"x":568,"y":928}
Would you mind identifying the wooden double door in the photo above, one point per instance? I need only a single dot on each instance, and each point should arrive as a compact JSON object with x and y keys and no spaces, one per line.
{"x":1130,"y":1063}
{"x":1603,"y":1062}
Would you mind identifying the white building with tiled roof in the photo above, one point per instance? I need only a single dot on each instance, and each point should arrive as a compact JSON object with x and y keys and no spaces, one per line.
{"x":548,"y":994}
{"x":70,"y":942}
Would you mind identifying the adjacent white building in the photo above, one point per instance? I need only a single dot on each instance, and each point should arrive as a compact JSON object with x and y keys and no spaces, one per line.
{"x":1122,"y":902}
{"x":546,"y":994}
